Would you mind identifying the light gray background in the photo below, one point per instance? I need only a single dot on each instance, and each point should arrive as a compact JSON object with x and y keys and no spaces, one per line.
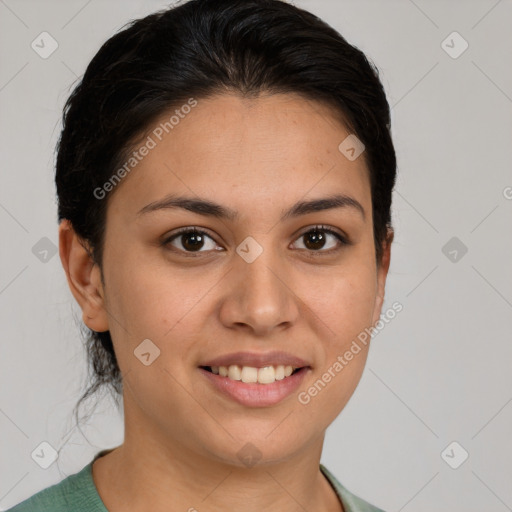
{"x":439,"y":372}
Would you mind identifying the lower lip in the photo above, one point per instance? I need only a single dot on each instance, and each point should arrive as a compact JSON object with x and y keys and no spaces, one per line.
{"x":254,"y":394}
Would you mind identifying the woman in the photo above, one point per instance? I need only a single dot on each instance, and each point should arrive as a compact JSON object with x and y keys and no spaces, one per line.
{"x":224,"y":180}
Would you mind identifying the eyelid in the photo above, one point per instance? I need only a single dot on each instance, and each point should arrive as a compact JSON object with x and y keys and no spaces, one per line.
{"x":167,"y":239}
{"x":328,"y":229}
{"x":342,"y":238}
{"x":188,"y":229}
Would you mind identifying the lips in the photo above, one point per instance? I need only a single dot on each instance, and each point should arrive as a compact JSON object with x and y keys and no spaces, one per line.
{"x":255,"y":394}
{"x":257,"y":360}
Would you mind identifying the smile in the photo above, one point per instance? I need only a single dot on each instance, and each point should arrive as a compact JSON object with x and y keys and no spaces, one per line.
{"x":251,"y":374}
{"x":254,"y":393}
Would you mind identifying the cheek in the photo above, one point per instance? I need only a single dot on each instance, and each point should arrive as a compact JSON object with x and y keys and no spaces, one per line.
{"x":151,"y":294}
{"x":325,"y":396}
{"x":135,"y":300}
{"x":342,"y":301}
{"x":150,"y":304}
{"x":346,"y":308}
{"x":343,"y":310}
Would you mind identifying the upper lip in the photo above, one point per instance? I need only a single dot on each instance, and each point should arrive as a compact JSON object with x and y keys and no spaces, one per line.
{"x":258,"y":360}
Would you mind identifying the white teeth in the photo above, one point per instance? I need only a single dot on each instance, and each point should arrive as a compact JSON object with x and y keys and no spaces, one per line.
{"x":267,"y":375}
{"x":279,"y":372}
{"x":250,"y":374}
{"x":235,"y":372}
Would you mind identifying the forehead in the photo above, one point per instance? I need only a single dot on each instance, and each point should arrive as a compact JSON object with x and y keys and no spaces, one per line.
{"x":269,"y":148}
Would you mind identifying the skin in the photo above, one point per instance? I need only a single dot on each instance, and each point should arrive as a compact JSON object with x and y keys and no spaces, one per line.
{"x":259,"y":157}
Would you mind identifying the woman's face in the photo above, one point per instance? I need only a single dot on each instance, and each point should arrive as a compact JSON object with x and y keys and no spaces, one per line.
{"x":255,"y":282}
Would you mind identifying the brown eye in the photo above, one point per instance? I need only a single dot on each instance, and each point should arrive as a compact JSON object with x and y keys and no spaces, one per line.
{"x":190,"y":240}
{"x":318,"y":238}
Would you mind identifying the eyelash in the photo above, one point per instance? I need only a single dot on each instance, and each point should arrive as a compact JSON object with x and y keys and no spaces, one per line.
{"x":189,"y":230}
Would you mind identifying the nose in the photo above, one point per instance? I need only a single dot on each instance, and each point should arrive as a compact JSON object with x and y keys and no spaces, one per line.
{"x":258,"y":296}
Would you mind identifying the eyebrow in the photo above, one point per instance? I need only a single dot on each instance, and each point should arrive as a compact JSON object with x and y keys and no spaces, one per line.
{"x":209,"y":208}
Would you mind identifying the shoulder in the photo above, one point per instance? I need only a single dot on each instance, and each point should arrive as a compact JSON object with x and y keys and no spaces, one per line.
{"x":351,"y":502}
{"x":75,"y":493}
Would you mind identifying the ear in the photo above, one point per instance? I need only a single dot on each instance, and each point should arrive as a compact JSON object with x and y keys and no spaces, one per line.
{"x":382,"y":272}
{"x":84,"y":278}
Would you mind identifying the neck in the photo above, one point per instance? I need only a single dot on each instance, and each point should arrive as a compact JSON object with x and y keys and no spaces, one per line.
{"x":148,"y":473}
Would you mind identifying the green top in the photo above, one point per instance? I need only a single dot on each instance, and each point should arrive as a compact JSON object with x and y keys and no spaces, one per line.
{"x":78,"y":493}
